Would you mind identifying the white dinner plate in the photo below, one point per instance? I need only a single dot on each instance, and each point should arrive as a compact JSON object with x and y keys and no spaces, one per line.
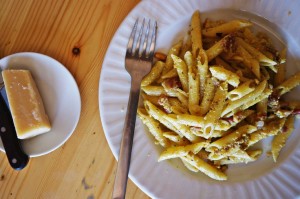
{"x":60,"y":95}
{"x":168,"y":179}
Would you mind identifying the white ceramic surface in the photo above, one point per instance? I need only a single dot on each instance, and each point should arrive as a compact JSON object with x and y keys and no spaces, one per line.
{"x":168,"y":179}
{"x":60,"y":95}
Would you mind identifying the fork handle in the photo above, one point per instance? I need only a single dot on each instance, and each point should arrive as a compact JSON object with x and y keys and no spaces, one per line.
{"x":126,"y":142}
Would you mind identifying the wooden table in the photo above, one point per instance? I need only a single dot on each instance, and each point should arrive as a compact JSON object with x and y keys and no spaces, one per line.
{"x":77,"y":34}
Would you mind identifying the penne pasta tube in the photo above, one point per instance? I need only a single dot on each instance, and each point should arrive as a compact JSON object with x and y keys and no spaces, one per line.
{"x":199,"y":132}
{"x":154,"y":74}
{"x":222,"y":153}
{"x":231,"y":139}
{"x":221,"y":125}
{"x":215,"y":111}
{"x":180,"y":151}
{"x":208,"y":96}
{"x":249,"y":61}
{"x":225,"y":75}
{"x":191,"y":120}
{"x":250,"y":157}
{"x":247,"y":156}
{"x":177,"y":106}
{"x":196,"y":36}
{"x":280,"y":139}
{"x":175,"y":50}
{"x":183,"y":129}
{"x":255,"y":53}
{"x":174,"y":91}
{"x":175,"y":138}
{"x":204,"y":167}
{"x":172,"y":73}
{"x":182,"y":71}
{"x":155,"y":91}
{"x":153,"y":127}
{"x":241,"y":90}
{"x":264,"y":96}
{"x":189,"y":166}
{"x":288,"y":84}
{"x":152,"y":99}
{"x":202,"y":64}
{"x":194,"y":84}
{"x":266,"y":93}
{"x":226,"y":28}
{"x":225,"y":44}
{"x":270,"y":129}
{"x":159,"y":115}
{"x":237,"y":103}
{"x":238,"y":117}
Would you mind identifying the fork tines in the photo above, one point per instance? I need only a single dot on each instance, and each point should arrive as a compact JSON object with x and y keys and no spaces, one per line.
{"x":141,"y":36}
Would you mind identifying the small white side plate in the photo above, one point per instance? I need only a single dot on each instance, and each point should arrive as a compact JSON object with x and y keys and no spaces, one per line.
{"x":60,"y":95}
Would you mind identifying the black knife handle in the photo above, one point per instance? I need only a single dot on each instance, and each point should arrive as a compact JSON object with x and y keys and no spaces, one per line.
{"x":14,"y":152}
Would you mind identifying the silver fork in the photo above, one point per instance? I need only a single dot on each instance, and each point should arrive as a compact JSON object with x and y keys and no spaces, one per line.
{"x":138,"y":62}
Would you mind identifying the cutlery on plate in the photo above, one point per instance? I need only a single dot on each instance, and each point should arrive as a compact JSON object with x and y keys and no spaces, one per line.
{"x":138,"y":63}
{"x":12,"y":146}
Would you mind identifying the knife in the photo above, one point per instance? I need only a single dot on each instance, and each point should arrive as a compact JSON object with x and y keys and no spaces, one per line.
{"x":12,"y":146}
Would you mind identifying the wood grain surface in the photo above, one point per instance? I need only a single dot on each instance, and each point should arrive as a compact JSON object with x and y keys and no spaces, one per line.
{"x":77,"y":34}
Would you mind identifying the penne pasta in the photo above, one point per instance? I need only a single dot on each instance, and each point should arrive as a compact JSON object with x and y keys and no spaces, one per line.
{"x":153,"y":99}
{"x":225,"y":75}
{"x":182,"y":71}
{"x":248,"y":156}
{"x":216,"y":109}
{"x":159,"y":115}
{"x":196,"y":36}
{"x":180,"y":151}
{"x":225,"y":44}
{"x":249,"y":61}
{"x":175,"y":50}
{"x":270,"y":129}
{"x":241,"y":90}
{"x":153,"y":127}
{"x":189,"y":166}
{"x":288,"y":84}
{"x":194,"y":84}
{"x":175,"y":138}
{"x":252,"y":95}
{"x":154,"y":73}
{"x":280,"y":139}
{"x":182,"y":129}
{"x":172,"y":73}
{"x":266,"y":93}
{"x":255,"y":53}
{"x":226,"y":28}
{"x":155,"y":91}
{"x":230,"y":139}
{"x":202,"y":64}
{"x":208,"y":96}
{"x":204,"y":167}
